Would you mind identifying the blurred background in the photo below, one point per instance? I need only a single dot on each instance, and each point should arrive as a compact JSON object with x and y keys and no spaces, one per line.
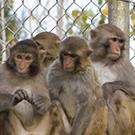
{"x":21,"y":19}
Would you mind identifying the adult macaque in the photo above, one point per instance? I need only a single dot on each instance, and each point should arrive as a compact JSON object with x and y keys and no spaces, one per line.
{"x":31,"y":112}
{"x":117,"y":76}
{"x":72,"y":81}
{"x":48,"y":44}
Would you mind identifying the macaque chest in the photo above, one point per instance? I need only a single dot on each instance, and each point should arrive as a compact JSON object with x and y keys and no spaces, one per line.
{"x":104,"y":73}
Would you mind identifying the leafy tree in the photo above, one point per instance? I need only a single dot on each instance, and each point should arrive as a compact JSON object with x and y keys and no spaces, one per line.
{"x":84,"y":19}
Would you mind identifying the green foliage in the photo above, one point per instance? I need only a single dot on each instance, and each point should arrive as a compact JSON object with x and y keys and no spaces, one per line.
{"x":81,"y":20}
{"x":100,"y":2}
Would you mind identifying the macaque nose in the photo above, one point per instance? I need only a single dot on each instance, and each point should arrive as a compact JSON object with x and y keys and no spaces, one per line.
{"x":115,"y":48}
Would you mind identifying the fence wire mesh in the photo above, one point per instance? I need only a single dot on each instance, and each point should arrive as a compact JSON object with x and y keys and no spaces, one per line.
{"x":21,"y":19}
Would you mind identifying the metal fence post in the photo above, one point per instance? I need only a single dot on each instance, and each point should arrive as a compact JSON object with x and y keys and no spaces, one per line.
{"x":118,"y":12}
{"x":3,"y":33}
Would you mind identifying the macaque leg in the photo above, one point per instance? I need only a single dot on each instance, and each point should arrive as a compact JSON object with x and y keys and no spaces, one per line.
{"x":98,"y":122}
{"x":58,"y":124}
{"x":4,"y":123}
{"x":52,"y":123}
{"x":120,"y":114}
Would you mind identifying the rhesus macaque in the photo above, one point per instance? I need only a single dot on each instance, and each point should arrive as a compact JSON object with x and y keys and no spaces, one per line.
{"x":116,"y":74}
{"x":31,"y":112}
{"x":48,"y":44}
{"x":72,"y":81}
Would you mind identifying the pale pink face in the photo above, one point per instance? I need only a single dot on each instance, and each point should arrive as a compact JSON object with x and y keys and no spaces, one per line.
{"x":23,"y":61}
{"x":116,"y":44}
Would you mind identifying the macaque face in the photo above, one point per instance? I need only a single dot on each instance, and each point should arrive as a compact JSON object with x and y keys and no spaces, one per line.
{"x":48,"y":44}
{"x":74,"y":54}
{"x":108,"y":42}
{"x":69,"y":61}
{"x":114,"y":50}
{"x":23,"y":62}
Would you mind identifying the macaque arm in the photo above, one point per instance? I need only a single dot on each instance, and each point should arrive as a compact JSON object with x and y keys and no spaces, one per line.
{"x":54,"y":88}
{"x":110,"y":87}
{"x":54,"y":94}
{"x":5,"y":101}
{"x":4,"y":123}
{"x":82,"y":116}
{"x":81,"y":120}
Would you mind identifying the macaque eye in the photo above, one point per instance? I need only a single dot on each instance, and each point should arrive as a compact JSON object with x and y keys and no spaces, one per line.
{"x":73,"y":55}
{"x":114,"y":39}
{"x":121,"y":40}
{"x":69,"y":54}
{"x":28,"y":58}
{"x":19,"y":57}
{"x":65,"y":54}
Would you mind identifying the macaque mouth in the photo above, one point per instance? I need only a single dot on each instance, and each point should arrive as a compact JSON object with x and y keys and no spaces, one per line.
{"x":22,"y":71}
{"x":113,"y":56}
{"x":68,"y":66}
{"x":68,"y":61}
{"x":22,"y":74}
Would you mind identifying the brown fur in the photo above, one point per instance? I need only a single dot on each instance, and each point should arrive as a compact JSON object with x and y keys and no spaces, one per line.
{"x":24,"y":118}
{"x":119,"y":84}
{"x":78,"y":89}
{"x":48,"y":44}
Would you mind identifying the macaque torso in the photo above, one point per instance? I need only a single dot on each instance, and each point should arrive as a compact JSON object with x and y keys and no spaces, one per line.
{"x":75,"y":86}
{"x":23,"y":118}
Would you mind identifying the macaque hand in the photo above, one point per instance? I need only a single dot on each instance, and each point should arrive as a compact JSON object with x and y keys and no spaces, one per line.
{"x":39,"y":104}
{"x":19,"y":95}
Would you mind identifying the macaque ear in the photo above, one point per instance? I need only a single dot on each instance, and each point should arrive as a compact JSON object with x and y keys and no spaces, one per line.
{"x":89,"y":51}
{"x":42,"y":55}
{"x":93,"y":34}
{"x":57,"y":45}
{"x":37,"y":44}
{"x":58,"y":42}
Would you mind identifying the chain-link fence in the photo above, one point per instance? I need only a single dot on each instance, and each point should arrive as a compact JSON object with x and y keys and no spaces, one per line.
{"x":22,"y":19}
